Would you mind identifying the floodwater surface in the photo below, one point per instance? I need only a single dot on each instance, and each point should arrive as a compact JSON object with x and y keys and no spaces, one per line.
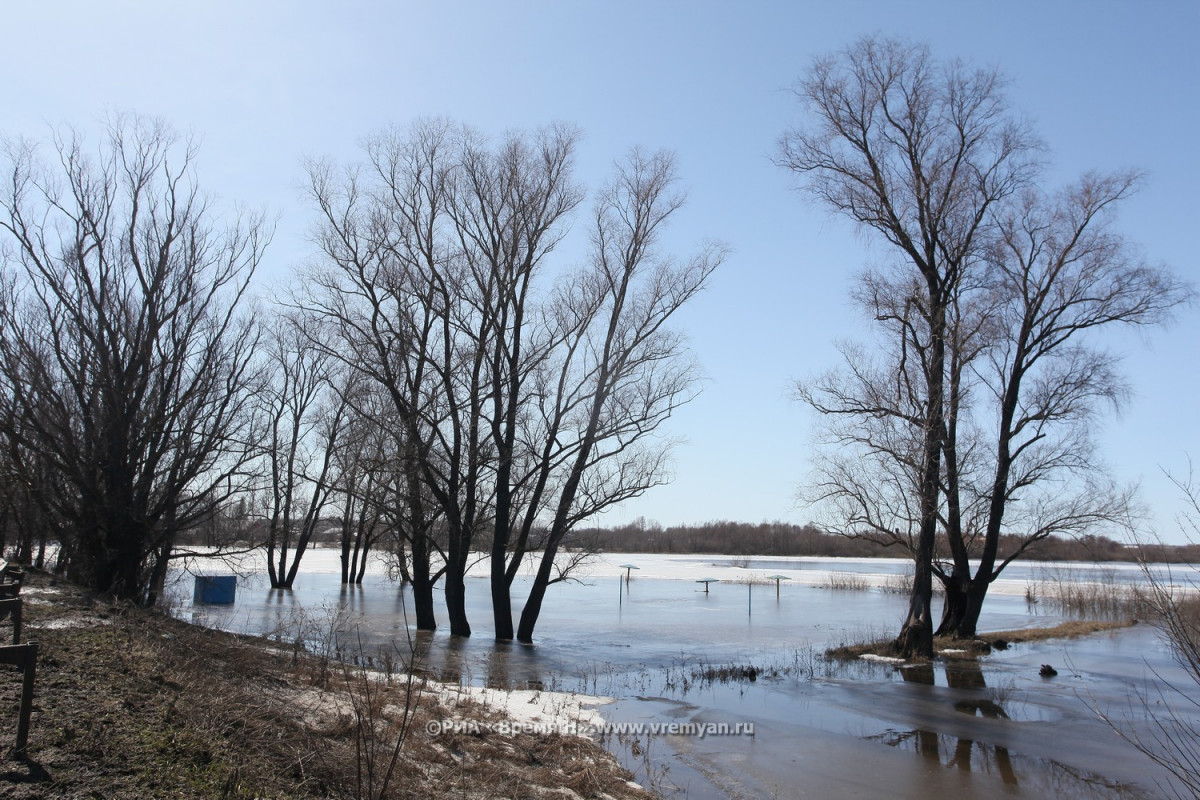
{"x":670,"y":651}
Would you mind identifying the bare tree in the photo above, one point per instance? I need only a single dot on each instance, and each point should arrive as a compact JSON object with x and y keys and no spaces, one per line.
{"x":919,"y":153}
{"x":123,"y":349}
{"x":509,"y":207}
{"x":524,"y":408}
{"x":305,"y":416}
{"x":1056,"y":274}
{"x":620,"y":371}
{"x":362,"y":485}
{"x":27,"y":525}
{"x":394,"y":306}
{"x":377,"y":479}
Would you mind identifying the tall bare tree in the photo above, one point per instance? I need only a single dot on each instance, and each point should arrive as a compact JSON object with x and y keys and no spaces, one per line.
{"x":395,"y":306}
{"x":1056,"y":274}
{"x":509,"y":209}
{"x":620,"y":371}
{"x":123,"y":350}
{"x":525,"y":408}
{"x":919,"y":153}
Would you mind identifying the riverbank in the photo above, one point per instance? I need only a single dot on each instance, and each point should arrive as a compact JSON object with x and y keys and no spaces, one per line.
{"x":131,"y":703}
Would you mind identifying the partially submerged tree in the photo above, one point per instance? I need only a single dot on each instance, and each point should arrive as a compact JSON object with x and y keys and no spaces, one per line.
{"x":509,"y":208}
{"x":397,"y":306}
{"x":918,"y":153}
{"x":524,"y":408}
{"x":620,"y":371}
{"x":124,"y":358}
{"x":1056,"y":274}
{"x":972,"y":424}
{"x":305,"y":415}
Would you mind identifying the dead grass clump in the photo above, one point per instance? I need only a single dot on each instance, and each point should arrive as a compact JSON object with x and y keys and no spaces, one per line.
{"x":1104,"y":598}
{"x":850,"y":652}
{"x":846,"y":581}
{"x":973,"y":648}
{"x":1067,"y":630}
{"x":899,"y":583}
{"x":726,"y":674}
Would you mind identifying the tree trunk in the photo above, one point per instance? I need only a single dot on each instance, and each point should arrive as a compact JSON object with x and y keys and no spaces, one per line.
{"x":537,"y":593}
{"x":964,"y":603}
{"x":967,"y":627}
{"x":501,"y":600}
{"x":345,"y":556}
{"x":422,"y":588}
{"x":363,"y":552}
{"x":158,"y":576}
{"x":916,"y":635}
{"x":957,"y":602}
{"x":419,"y":546}
{"x":456,"y":600}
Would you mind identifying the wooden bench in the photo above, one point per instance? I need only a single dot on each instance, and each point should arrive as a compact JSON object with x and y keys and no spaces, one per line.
{"x":11,"y":579}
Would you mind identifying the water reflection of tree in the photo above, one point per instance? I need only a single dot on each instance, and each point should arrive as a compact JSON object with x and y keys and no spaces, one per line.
{"x":497,"y":668}
{"x":453,"y":660}
{"x":965,"y":754}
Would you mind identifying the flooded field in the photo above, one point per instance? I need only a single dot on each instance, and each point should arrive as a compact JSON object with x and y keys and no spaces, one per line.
{"x":749,"y":649}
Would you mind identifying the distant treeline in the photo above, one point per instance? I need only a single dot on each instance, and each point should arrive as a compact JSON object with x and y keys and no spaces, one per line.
{"x":784,"y":539}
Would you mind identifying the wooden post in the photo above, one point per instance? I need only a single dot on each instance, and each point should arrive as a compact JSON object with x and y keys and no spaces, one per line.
{"x":12,"y":606}
{"x":25,"y":657}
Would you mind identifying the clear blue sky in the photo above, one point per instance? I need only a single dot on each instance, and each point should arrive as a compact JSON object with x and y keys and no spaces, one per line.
{"x":262,"y":84}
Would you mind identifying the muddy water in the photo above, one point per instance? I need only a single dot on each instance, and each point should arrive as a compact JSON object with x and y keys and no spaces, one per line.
{"x":993,"y":728}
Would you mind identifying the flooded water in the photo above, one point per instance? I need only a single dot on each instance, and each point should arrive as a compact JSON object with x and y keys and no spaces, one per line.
{"x":666,"y":648}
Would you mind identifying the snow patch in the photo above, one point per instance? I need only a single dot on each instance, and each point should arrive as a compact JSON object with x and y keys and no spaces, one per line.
{"x":553,"y":709}
{"x":70,"y":622}
{"x":883,"y":659}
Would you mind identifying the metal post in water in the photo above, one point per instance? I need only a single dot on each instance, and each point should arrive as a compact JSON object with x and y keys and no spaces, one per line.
{"x":629,"y":568}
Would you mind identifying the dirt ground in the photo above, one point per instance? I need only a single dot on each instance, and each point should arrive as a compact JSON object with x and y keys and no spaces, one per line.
{"x":131,"y":703}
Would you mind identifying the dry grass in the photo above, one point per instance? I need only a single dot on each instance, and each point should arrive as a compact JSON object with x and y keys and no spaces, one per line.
{"x":846,"y":581}
{"x":971,"y":648}
{"x":1066,"y":630}
{"x":1104,"y":598}
{"x":138,"y":705}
